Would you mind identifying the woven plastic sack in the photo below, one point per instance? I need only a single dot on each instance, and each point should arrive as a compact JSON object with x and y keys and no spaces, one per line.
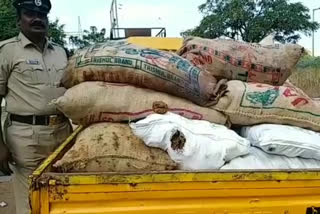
{"x":193,"y":144}
{"x":284,"y":140}
{"x":121,"y":62}
{"x":235,"y":60}
{"x":260,"y":160}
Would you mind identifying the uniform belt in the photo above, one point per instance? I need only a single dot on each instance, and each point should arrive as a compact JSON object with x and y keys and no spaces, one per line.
{"x":43,"y":120}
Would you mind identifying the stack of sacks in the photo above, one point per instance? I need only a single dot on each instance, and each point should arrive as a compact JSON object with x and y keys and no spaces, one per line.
{"x":259,"y":93}
{"x":117,"y":81}
{"x":120,"y":82}
{"x":257,"y":90}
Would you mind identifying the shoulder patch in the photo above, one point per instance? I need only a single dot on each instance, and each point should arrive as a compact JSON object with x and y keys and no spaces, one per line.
{"x":9,"y":41}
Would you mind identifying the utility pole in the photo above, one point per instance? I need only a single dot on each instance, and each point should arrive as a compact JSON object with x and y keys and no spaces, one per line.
{"x":313,"y":11}
{"x":116,"y":6}
{"x":114,"y":17}
{"x":79,"y":28}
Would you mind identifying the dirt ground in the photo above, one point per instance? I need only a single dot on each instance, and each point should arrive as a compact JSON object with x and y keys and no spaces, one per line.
{"x":6,"y":196}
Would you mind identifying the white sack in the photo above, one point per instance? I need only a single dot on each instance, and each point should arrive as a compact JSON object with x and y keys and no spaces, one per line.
{"x":259,"y":160}
{"x":284,"y":140}
{"x":193,"y":144}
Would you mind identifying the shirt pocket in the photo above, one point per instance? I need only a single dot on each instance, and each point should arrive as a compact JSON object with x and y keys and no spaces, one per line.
{"x":33,"y":74}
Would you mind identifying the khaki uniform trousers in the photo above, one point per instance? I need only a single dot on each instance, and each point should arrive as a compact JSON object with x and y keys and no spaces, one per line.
{"x":29,"y":146}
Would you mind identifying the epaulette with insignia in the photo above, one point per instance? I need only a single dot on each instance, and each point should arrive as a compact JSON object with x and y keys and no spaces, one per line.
{"x":8,"y":41}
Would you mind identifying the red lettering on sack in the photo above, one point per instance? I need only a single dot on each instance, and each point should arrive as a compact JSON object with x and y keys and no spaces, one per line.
{"x":251,"y":77}
{"x":206,"y":59}
{"x":196,"y":61}
{"x":301,"y":101}
{"x":202,"y":60}
{"x":210,"y":51}
{"x":209,"y":59}
{"x":246,"y":65}
{"x":289,"y":93}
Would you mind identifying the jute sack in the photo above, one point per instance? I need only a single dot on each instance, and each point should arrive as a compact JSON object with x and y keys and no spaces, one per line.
{"x":121,"y":62}
{"x":91,"y":102}
{"x":255,"y":103}
{"x":236,"y":60}
{"x":112,"y":147}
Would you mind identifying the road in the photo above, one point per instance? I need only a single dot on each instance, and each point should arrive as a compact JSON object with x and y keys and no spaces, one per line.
{"x":6,"y":195}
{"x":6,"y":189}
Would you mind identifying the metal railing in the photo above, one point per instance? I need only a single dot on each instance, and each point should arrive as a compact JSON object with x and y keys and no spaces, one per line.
{"x":123,"y":33}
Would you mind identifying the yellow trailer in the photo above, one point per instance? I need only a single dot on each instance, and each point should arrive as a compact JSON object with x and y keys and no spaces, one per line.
{"x":205,"y":192}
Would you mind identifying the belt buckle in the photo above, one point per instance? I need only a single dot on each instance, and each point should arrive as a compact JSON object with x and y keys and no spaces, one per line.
{"x":53,"y":120}
{"x":34,"y":120}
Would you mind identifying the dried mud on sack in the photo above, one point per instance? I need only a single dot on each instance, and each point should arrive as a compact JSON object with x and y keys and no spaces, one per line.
{"x":285,"y":140}
{"x":121,"y":62}
{"x":259,"y":160}
{"x":91,"y":102}
{"x":192,"y":144}
{"x":256,"y":103}
{"x":248,"y":62}
{"x":112,"y":147}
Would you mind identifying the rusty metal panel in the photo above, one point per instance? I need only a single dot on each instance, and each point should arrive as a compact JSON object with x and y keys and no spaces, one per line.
{"x":138,"y":32}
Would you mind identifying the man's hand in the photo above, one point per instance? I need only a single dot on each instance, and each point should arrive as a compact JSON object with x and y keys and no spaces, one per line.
{"x":4,"y":159}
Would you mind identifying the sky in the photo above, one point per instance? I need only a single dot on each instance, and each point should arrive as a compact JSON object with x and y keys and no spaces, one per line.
{"x":175,"y":15}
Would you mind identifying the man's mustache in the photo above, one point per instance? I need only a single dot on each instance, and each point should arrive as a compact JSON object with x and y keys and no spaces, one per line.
{"x":38,"y":24}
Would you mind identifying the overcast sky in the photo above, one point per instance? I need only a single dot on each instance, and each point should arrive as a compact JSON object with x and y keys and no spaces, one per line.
{"x":175,"y":15}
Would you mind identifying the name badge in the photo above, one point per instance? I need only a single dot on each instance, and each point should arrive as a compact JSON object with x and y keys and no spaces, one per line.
{"x":33,"y":62}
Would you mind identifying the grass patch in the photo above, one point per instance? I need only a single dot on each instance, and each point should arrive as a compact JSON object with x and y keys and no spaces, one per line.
{"x":308,"y":62}
{"x":307,"y":76}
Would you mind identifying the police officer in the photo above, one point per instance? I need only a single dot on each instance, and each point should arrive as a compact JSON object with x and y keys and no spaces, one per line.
{"x":31,"y":68}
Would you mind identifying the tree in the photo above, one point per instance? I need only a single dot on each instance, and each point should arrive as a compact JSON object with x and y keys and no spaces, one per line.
{"x":90,"y":37}
{"x":9,"y":29}
{"x":56,"y":33}
{"x":7,"y":20}
{"x":253,"y":20}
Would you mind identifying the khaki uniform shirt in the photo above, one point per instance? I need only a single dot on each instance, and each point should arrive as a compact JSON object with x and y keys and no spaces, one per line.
{"x":29,"y":78}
